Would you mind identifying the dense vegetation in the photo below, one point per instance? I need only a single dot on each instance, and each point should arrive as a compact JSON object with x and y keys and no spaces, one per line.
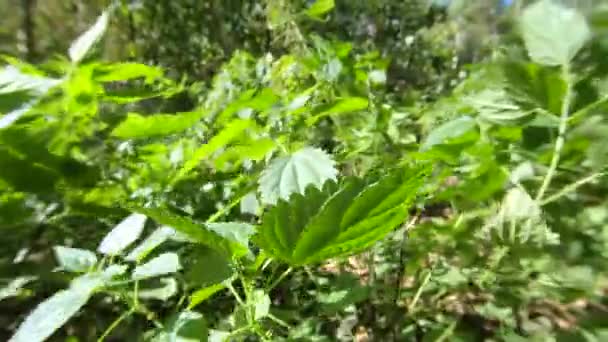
{"x":281,"y":170}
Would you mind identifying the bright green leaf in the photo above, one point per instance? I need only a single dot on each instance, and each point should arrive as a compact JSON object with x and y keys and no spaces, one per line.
{"x":320,"y":7}
{"x":126,"y":71}
{"x":203,"y":294}
{"x":553,"y":33}
{"x":230,"y":133}
{"x":346,"y":105}
{"x":157,"y":237}
{"x":138,"y":126}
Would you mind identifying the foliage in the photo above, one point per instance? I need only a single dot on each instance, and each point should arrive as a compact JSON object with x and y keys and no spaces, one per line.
{"x":287,"y":185}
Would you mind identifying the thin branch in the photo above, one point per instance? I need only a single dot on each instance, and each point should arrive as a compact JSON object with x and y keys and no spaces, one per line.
{"x":572,"y":187}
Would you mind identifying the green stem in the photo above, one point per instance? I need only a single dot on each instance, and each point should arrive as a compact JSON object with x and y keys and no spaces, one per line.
{"x":447,"y":332}
{"x":570,"y":188}
{"x":279,"y":279}
{"x":419,"y":292}
{"x":559,"y":142}
{"x":115,"y":324}
{"x":235,"y":294}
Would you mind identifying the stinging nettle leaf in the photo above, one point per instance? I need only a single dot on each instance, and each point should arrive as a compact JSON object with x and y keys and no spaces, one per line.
{"x":74,"y":259}
{"x":55,"y":311}
{"x":293,"y":174}
{"x":163,"y":264}
{"x":167,"y":290}
{"x":338,"y":220}
{"x":553,"y":33}
{"x":122,"y":235}
{"x":81,"y":46}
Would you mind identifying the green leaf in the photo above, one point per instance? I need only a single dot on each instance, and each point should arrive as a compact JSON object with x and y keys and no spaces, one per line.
{"x":346,"y":105}
{"x":237,"y":233}
{"x":293,"y":174}
{"x":167,"y":290}
{"x":55,"y":311}
{"x":126,"y":71}
{"x":122,"y":235}
{"x":230,"y":133}
{"x":15,"y":286}
{"x":495,"y":106}
{"x":449,"y":130}
{"x":81,"y":46}
{"x":320,"y":7}
{"x":338,"y":220}
{"x":74,"y":259}
{"x":165,"y":263}
{"x":207,"y":267}
{"x":157,"y":237}
{"x":236,"y":155}
{"x":136,"y":126}
{"x":553,"y":33}
{"x":203,"y":294}
{"x":193,"y":231}
{"x":187,"y":326}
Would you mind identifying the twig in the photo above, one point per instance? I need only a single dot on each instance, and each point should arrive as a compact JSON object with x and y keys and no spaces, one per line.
{"x":279,"y":279}
{"x":419,"y":292}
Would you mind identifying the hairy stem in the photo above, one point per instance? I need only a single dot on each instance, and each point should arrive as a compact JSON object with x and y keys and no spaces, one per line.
{"x":559,"y":142}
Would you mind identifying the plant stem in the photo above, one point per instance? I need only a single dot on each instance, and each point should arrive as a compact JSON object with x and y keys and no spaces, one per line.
{"x":279,"y":279}
{"x":419,"y":292}
{"x":569,"y":188}
{"x":235,"y":294}
{"x":115,"y":324}
{"x":447,"y":332}
{"x":559,"y":142}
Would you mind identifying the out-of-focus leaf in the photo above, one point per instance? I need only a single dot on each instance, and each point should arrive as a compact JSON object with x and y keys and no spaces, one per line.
{"x":346,"y":105}
{"x":187,"y":326}
{"x":75,"y":259}
{"x":122,"y":235}
{"x":319,"y":8}
{"x":81,"y":46}
{"x":126,"y":71}
{"x":138,"y":126}
{"x":230,"y":133}
{"x":14,"y":287}
{"x":157,"y":237}
{"x":55,"y":311}
{"x":203,"y":294}
{"x":292,"y":174}
{"x":449,"y":130}
{"x":553,"y":33}
{"x":165,"y":263}
{"x":167,"y":290}
{"x":207,"y":267}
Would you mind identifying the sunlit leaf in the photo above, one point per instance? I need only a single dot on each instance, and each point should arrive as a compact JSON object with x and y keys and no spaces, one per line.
{"x":292,"y":174}
{"x":126,"y":71}
{"x":55,"y":311}
{"x":157,"y":237}
{"x":320,"y":7}
{"x":553,"y":33}
{"x":261,"y":303}
{"x":122,"y":235}
{"x":74,"y":259}
{"x":203,"y":294}
{"x":163,"y":264}
{"x":15,"y":286}
{"x":138,"y":126}
{"x":81,"y":46}
{"x":166,"y":290}
{"x":340,"y":219}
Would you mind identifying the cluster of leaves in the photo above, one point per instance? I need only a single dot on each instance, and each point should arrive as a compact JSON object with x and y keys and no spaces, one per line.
{"x":302,"y":200}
